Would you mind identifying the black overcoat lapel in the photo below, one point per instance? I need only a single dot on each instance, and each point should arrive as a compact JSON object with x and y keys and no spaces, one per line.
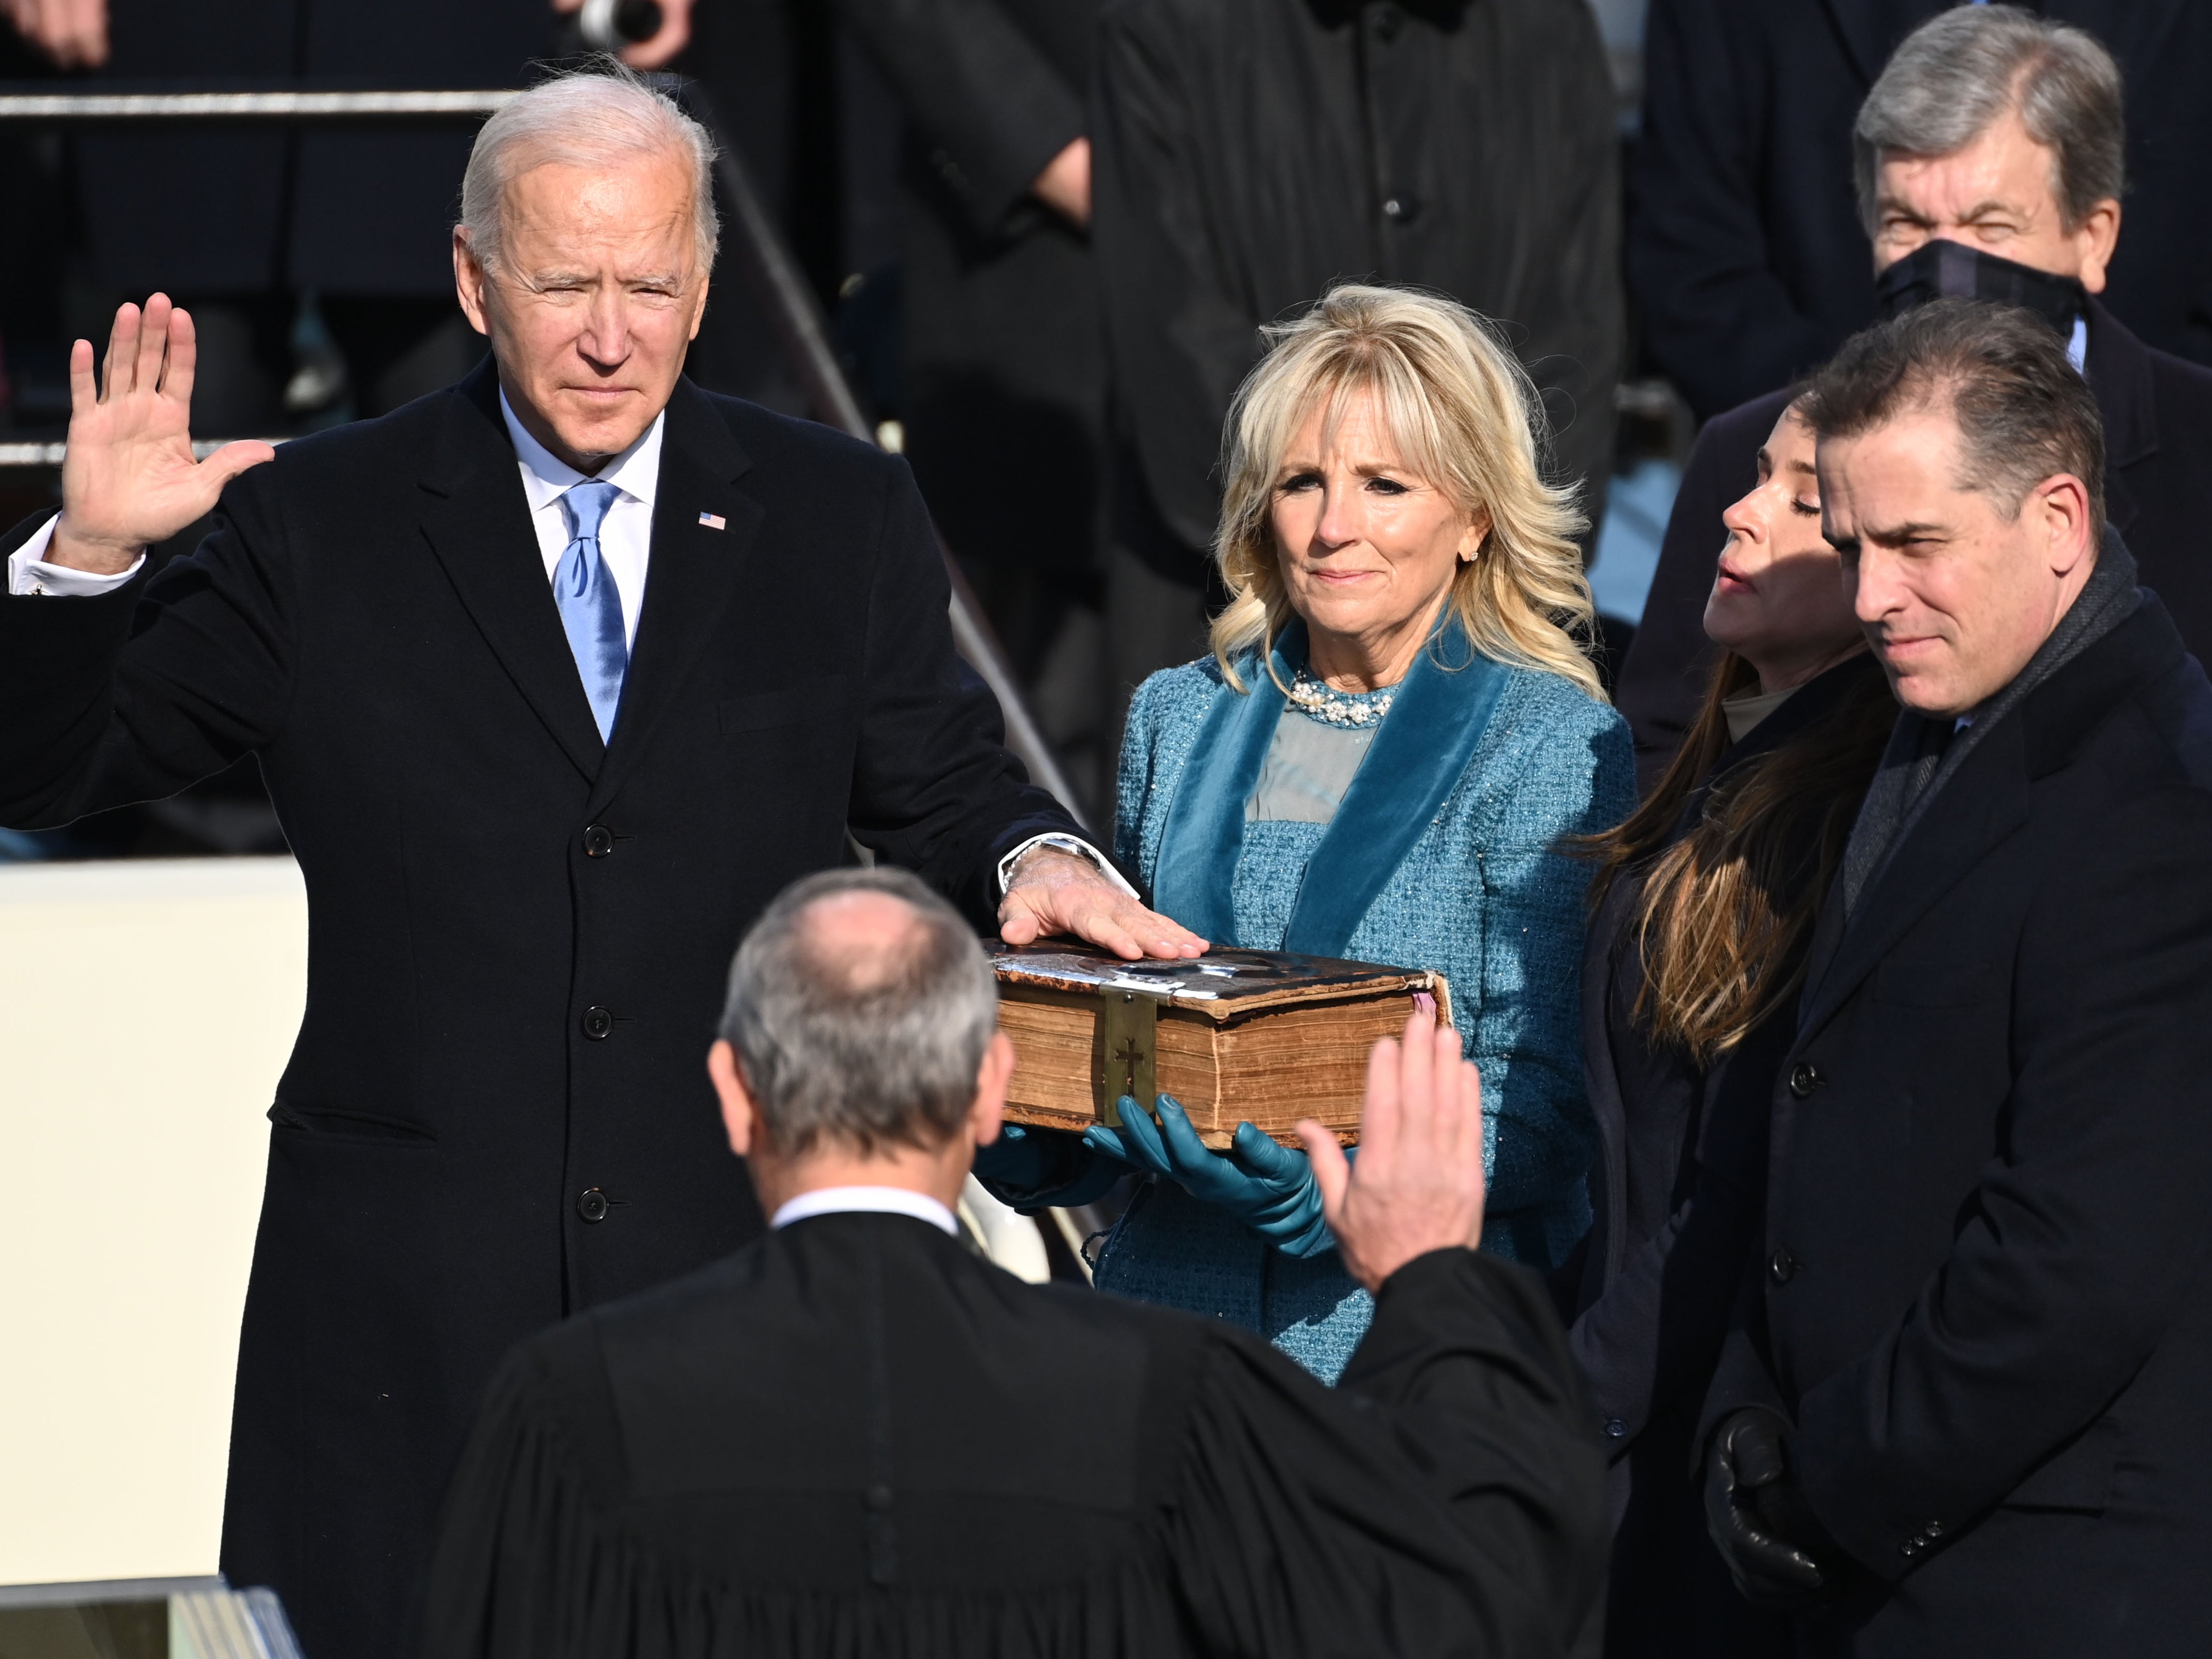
{"x":1979,"y":805}
{"x":690,"y":577}
{"x":476,"y":520}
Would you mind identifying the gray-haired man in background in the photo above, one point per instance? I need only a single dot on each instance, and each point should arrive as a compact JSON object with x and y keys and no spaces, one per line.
{"x":856,"y":1435}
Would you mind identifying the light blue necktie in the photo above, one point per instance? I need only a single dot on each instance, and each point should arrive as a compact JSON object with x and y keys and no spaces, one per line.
{"x":591,"y":608}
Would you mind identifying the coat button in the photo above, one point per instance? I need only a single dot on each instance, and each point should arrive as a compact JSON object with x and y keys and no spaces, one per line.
{"x":1804,"y":1077}
{"x":1388,"y":20}
{"x":591,"y":1205}
{"x":598,"y":1022}
{"x":1909,"y":1548}
{"x":1782,"y":1266}
{"x":1401,"y":209}
{"x":598,"y":841}
{"x":1616,"y":1429}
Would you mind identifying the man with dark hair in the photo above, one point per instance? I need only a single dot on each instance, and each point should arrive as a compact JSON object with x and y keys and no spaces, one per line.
{"x":1990,"y":159}
{"x":1960,"y":1410}
{"x":857,"y":1436}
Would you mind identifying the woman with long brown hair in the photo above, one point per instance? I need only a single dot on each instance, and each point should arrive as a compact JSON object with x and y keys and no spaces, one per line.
{"x":1704,"y":905}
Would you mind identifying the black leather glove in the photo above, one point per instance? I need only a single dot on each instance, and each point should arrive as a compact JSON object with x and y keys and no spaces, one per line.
{"x":1760,"y":1521}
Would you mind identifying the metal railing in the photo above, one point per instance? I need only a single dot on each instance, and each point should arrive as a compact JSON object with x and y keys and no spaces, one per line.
{"x":772,"y":272}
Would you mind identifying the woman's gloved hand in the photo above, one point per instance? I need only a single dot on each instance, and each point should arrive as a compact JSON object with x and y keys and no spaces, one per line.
{"x":1270,"y":1188}
{"x":1032,"y":1169}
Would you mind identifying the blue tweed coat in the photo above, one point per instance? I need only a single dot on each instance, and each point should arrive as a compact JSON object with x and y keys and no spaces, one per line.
{"x":1482,"y":896}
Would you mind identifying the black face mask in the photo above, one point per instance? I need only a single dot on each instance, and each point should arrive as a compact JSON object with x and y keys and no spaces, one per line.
{"x":1950,"y":270}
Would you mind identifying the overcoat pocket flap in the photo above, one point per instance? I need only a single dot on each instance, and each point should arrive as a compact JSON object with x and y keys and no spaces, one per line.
{"x":786,"y":705}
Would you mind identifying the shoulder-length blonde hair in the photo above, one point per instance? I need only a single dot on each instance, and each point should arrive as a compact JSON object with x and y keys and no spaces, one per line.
{"x":1465,"y":416}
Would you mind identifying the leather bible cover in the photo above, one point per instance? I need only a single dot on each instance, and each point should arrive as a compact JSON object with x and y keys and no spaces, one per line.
{"x":1267,"y":1037}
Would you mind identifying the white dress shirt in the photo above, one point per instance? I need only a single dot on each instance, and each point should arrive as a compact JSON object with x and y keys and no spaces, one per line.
{"x":625,"y":534}
{"x":879,"y":1201}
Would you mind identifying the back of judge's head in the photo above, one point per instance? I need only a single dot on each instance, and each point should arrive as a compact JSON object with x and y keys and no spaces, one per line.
{"x":1999,"y":129}
{"x":860,"y":1007}
{"x":1961,"y":461}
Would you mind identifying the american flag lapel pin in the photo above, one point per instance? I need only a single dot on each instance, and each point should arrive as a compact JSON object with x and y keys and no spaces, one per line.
{"x":714,"y":521}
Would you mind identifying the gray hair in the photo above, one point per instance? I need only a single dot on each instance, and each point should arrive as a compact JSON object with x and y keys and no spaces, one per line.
{"x":1966,"y":67}
{"x":2023,"y":413}
{"x":599,"y":116}
{"x":858,"y":1049}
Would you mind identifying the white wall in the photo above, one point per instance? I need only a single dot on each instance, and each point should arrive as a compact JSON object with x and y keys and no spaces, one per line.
{"x":146,"y":1010}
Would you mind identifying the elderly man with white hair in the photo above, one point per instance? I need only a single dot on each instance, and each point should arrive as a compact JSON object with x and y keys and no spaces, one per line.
{"x":555,"y":676}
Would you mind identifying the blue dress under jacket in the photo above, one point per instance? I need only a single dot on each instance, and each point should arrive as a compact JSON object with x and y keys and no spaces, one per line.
{"x":1441,"y":855}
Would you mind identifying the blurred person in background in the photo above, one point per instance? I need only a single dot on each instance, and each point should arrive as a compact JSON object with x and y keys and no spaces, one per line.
{"x":1251,"y":154}
{"x":1991,"y":159}
{"x":1744,"y":237}
{"x":1703,"y":909}
{"x":556,"y":677}
{"x":1003,"y":378}
{"x":358,"y":218}
{"x":1397,"y":726}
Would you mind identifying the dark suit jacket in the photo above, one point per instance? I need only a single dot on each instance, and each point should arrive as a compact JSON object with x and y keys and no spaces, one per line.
{"x":1745,"y":257}
{"x":1984,"y":1304}
{"x":2158,"y":494}
{"x":371,"y":617}
{"x":855,"y":1437}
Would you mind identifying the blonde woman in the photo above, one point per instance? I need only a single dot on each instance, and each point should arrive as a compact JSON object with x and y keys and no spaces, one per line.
{"x":1395,"y":730}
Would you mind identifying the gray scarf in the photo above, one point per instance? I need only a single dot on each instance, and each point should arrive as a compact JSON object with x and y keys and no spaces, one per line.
{"x":1923,"y":754}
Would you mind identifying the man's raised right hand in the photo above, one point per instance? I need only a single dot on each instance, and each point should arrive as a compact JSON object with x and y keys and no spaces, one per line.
{"x":129,"y":478}
{"x":1417,"y":1185}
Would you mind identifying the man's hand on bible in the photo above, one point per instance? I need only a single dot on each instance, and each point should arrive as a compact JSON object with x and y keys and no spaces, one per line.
{"x":129,"y":478}
{"x":1056,"y":892}
{"x":1418,"y":1184}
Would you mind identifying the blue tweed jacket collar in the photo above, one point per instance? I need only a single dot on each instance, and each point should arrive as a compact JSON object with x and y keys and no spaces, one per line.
{"x":1420,"y":752}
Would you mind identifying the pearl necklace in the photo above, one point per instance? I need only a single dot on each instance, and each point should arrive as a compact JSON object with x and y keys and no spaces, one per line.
{"x":1319,"y":701}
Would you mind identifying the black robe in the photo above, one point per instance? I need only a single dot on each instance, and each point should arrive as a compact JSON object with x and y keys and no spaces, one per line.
{"x":854,"y":1437}
{"x":1251,"y":153}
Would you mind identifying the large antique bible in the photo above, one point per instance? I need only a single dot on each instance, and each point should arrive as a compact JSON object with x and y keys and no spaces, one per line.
{"x":1264,"y":1035}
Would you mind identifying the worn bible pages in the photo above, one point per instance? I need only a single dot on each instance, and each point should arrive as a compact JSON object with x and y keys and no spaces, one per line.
{"x":1267,"y":1037}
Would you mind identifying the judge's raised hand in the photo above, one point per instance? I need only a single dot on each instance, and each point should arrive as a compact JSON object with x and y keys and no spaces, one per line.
{"x":128,"y":476}
{"x":1056,"y":892}
{"x":1417,"y":1185}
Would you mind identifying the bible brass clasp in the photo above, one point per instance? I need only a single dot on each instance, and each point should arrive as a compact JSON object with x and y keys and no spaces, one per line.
{"x":1123,"y":1062}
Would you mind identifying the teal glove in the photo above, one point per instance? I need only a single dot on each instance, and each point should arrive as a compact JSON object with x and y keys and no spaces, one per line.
{"x":1032,"y":1169}
{"x":1270,"y":1188}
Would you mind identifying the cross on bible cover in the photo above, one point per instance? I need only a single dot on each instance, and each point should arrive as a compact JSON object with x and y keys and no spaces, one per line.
{"x":1269,"y":1036}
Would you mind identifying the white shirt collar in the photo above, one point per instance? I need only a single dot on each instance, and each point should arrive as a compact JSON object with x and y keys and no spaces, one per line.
{"x":546,"y":477}
{"x":882,"y":1200}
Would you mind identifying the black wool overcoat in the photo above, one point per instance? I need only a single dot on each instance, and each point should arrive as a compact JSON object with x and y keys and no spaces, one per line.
{"x":1982,"y":1295}
{"x":497,"y":1112}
